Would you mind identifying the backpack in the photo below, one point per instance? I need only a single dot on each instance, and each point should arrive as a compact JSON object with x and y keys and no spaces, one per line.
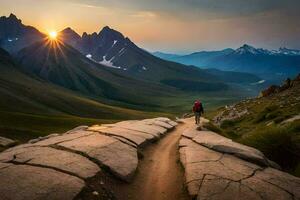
{"x":197,"y":106}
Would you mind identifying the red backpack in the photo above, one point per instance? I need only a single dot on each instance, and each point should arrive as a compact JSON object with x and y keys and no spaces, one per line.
{"x":197,"y":106}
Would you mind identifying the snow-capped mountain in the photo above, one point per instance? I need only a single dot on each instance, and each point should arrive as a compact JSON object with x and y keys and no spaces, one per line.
{"x":283,"y":61}
{"x":247,"y":49}
{"x":286,"y":51}
{"x":252,"y":50}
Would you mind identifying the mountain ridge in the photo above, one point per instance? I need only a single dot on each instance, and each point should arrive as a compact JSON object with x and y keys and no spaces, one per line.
{"x":269,"y":64}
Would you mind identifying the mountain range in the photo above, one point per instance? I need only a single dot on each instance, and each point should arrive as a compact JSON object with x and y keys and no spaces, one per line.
{"x":100,"y":76}
{"x":267,"y":64}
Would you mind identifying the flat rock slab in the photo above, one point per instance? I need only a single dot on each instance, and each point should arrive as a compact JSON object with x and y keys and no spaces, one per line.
{"x":22,"y":182}
{"x":210,"y":174}
{"x":57,"y":166}
{"x":135,"y":137}
{"x":167,"y":124}
{"x":6,"y":142}
{"x":141,"y":127}
{"x":48,"y":157}
{"x":120,"y":158}
{"x":219,"y":143}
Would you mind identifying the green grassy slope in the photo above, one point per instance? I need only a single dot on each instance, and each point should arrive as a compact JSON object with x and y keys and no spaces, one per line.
{"x":31,"y":107}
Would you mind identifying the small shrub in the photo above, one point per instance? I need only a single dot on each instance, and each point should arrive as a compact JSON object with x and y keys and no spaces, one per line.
{"x":227,"y":124}
{"x":260,"y":117}
{"x":279,"y":143}
{"x":210,"y":126}
{"x":271,"y":108}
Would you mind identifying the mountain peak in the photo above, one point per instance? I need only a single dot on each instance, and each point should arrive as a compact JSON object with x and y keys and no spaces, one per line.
{"x":12,"y":16}
{"x":111,"y":33}
{"x":247,"y":49}
{"x":70,"y":31}
{"x":247,"y":46}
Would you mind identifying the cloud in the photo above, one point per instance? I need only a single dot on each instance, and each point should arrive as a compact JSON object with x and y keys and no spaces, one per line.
{"x":202,"y":8}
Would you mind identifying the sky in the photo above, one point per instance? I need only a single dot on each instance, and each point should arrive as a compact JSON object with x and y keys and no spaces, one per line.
{"x":176,"y":26}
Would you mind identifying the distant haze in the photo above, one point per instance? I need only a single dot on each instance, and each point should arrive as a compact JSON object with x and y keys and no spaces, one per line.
{"x":173,"y":26}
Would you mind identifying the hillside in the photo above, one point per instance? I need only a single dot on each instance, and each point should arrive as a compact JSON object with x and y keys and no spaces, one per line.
{"x":30,"y":107}
{"x":61,"y":64}
{"x":270,"y":123}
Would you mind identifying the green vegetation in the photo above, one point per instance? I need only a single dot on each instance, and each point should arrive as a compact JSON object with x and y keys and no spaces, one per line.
{"x":279,"y":143}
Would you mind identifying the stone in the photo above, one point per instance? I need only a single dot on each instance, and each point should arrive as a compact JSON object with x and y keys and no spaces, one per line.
{"x":121,"y":139}
{"x":43,"y":138}
{"x":190,"y":133}
{"x":62,"y":138}
{"x":281,"y":179}
{"x":266,"y":190}
{"x":216,"y":188}
{"x":20,"y":182}
{"x":121,"y":159}
{"x":292,"y":119}
{"x":77,"y":129}
{"x":161,"y":123}
{"x":61,"y":160}
{"x":219,"y":143}
{"x":6,"y":142}
{"x":141,"y":127}
{"x":183,"y":142}
{"x":213,"y":175}
{"x":136,"y":137}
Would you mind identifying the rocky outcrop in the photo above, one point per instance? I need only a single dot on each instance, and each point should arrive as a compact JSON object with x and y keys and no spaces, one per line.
{"x":6,"y":142}
{"x":288,"y":83}
{"x":218,"y":168}
{"x":230,"y":113}
{"x":58,"y":166}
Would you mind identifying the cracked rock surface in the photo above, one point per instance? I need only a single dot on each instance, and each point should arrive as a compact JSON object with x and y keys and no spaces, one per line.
{"x":58,"y":166}
{"x":218,"y":168}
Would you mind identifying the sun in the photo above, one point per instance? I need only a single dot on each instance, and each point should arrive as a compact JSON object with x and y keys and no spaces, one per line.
{"x":53,"y":35}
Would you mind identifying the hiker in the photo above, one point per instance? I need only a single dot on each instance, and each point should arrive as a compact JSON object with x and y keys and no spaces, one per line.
{"x":198,"y":110}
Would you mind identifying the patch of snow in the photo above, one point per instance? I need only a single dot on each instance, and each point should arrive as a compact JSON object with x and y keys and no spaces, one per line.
{"x":144,"y":68}
{"x":115,"y":42}
{"x":125,"y":69}
{"x":108,"y":63}
{"x":259,"y":82}
{"x":89,"y":56}
{"x":11,"y":40}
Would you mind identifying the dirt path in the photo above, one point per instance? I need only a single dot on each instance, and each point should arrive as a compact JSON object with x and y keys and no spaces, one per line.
{"x":160,"y":174}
